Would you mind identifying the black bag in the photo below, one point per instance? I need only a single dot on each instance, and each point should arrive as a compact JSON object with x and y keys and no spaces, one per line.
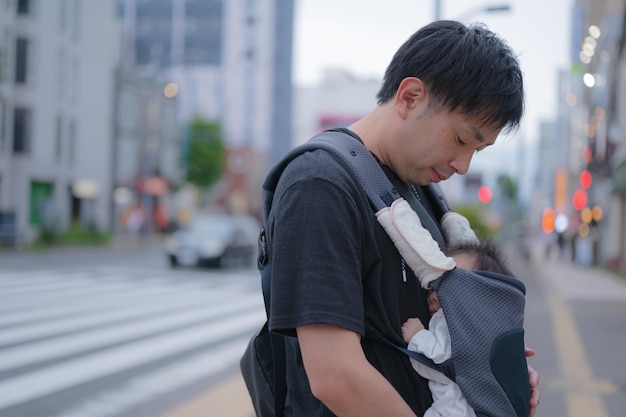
{"x":257,"y":368}
{"x":263,"y":362}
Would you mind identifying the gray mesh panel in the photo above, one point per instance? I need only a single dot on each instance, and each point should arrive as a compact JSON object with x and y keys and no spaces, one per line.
{"x":479,"y":309}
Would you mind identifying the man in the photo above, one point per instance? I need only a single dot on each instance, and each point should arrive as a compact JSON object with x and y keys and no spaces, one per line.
{"x":338,"y":283}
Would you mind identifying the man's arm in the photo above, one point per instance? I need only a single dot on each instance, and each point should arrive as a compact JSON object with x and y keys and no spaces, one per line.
{"x":341,"y":377}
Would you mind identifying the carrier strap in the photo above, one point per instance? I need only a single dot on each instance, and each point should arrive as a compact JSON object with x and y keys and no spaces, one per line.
{"x":446,"y":367}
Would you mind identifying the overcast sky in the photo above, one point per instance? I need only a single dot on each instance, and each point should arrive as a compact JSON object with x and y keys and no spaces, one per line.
{"x":362,"y":36}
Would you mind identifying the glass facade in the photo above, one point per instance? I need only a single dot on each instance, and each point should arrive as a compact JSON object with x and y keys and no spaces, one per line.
{"x":200,"y":29}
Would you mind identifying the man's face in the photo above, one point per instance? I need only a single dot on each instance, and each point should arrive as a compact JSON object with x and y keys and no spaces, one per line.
{"x":433,"y":146}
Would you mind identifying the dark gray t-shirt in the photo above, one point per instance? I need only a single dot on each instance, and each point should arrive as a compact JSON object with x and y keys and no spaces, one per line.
{"x":332,"y":263}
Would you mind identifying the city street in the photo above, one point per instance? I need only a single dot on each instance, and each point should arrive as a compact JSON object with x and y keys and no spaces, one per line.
{"x":576,"y":321}
{"x":116,"y":332}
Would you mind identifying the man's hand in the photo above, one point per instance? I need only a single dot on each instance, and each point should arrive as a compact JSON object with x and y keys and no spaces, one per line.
{"x":410,"y":328}
{"x":533,"y":377}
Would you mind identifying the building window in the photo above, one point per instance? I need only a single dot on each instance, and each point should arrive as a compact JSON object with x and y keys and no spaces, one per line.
{"x":62,"y":15}
{"x":74,"y":85}
{"x":58,"y":138}
{"x":76,"y":21}
{"x":71,"y":142}
{"x":2,"y":123}
{"x":21,"y":60}
{"x":22,"y":120}
{"x":23,"y":6}
{"x":61,"y":73}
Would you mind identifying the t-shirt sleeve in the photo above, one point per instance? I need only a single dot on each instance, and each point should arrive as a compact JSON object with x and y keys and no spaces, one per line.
{"x":315,"y":258}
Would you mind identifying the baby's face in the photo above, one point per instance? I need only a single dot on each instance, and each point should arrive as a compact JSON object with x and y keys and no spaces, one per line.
{"x":433,"y":302}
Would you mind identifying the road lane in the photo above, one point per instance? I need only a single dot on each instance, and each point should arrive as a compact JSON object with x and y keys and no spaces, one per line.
{"x":62,"y":354}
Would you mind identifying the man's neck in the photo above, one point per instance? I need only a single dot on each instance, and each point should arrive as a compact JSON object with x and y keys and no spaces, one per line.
{"x":373,"y":131}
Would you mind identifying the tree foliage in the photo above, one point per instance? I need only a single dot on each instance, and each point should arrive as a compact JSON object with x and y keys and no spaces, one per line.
{"x":508,"y":187}
{"x":204,"y":154}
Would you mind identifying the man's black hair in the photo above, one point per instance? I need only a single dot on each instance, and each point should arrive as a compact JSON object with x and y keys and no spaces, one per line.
{"x":487,"y":256}
{"x":464,"y":67}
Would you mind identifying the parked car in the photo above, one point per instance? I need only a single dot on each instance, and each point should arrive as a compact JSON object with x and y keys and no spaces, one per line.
{"x":214,"y":239}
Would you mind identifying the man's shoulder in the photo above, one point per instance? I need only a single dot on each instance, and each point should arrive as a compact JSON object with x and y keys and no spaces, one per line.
{"x":313,"y":164}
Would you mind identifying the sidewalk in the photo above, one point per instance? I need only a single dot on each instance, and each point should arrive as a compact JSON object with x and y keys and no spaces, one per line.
{"x":578,"y":282}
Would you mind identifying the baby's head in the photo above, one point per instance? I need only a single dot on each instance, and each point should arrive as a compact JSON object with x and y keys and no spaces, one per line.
{"x":472,"y":256}
{"x":483,"y":256}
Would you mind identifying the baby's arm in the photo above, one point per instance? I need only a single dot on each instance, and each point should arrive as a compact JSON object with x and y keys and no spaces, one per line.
{"x":410,"y":328}
{"x":433,"y":343}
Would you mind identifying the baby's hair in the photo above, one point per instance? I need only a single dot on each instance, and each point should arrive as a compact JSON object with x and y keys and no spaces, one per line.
{"x":487,"y":256}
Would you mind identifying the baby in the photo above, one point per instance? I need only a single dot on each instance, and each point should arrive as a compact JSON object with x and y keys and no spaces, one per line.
{"x":434,"y":343}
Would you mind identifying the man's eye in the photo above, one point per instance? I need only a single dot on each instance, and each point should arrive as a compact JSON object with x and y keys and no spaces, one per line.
{"x":459,"y":141}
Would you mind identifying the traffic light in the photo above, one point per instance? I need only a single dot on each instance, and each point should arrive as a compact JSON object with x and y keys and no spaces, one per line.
{"x":484,"y":194}
{"x":579,"y":199}
{"x":585,"y":179}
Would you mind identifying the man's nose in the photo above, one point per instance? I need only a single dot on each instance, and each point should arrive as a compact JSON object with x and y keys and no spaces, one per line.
{"x":461,"y":163}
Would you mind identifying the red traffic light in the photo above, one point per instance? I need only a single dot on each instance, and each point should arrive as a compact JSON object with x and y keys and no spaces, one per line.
{"x":579,"y":199}
{"x":585,"y":179}
{"x":484,"y":194}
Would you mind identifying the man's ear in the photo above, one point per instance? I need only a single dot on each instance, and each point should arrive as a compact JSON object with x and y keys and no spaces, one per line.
{"x":411,"y":95}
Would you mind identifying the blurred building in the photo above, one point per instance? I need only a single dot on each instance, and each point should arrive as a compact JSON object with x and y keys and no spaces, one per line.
{"x":146,"y":147}
{"x":231,"y":60}
{"x":337,"y":101}
{"x":582,"y":174}
{"x":56,"y":110}
{"x":615,"y":242}
{"x":94,"y":97}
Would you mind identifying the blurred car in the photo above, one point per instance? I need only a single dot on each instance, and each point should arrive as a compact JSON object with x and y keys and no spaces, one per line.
{"x":214,"y":239}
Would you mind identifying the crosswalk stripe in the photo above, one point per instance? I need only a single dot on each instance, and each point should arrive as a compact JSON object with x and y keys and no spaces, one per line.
{"x":65,"y":290}
{"x":50,"y":310}
{"x":95,"y":289}
{"x":57,"y":377}
{"x":9,"y":280}
{"x":129,"y":334}
{"x":66,"y":283}
{"x":95,"y":318}
{"x":137,"y":390}
{"x":21,"y":355}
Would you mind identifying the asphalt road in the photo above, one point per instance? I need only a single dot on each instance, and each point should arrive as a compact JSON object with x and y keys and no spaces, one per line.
{"x":95,"y":332}
{"x":575,"y":320}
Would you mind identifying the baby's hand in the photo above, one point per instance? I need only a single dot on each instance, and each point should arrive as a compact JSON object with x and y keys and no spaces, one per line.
{"x":410,"y":328}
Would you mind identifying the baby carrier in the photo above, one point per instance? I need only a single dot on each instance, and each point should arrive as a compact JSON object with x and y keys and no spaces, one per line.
{"x":484,"y":310}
